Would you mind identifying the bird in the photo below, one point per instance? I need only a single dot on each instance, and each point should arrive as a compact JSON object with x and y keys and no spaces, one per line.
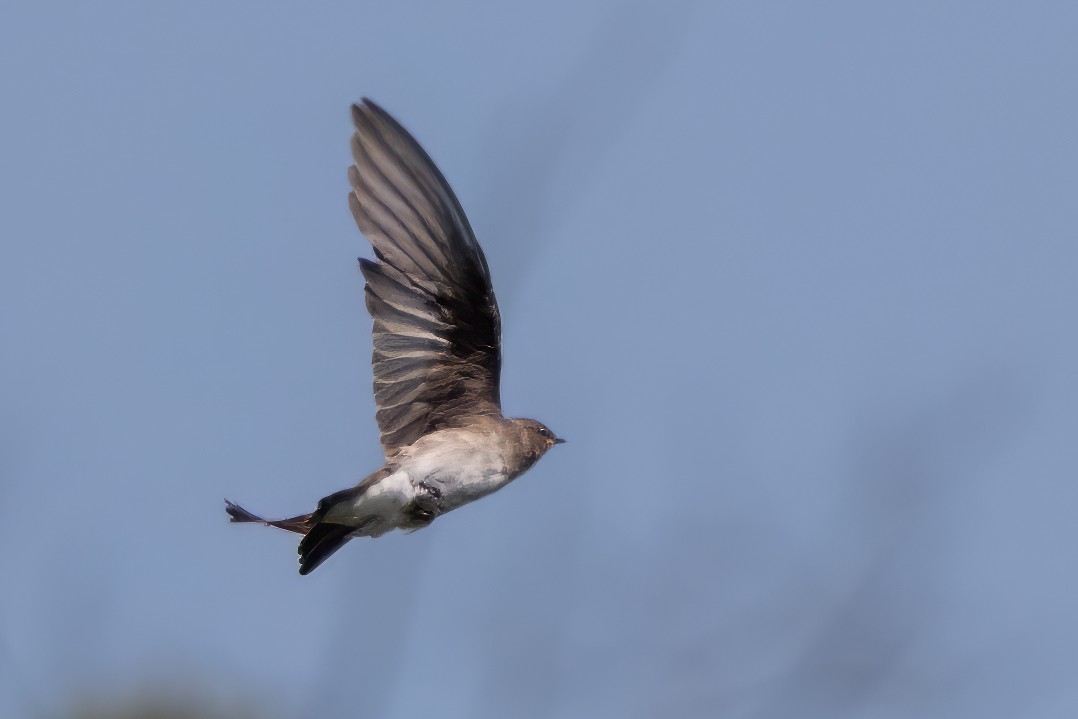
{"x":436,"y":354}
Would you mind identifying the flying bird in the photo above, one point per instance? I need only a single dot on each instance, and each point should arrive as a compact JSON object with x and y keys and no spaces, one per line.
{"x":437,"y":354}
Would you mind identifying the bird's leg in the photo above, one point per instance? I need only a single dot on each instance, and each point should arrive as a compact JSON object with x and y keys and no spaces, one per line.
{"x":422,"y":510}
{"x":430,"y":489}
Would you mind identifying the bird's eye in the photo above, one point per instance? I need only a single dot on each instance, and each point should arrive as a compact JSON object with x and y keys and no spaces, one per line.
{"x":544,"y":432}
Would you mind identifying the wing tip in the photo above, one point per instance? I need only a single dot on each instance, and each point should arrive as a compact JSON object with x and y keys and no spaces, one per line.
{"x":365,"y":110}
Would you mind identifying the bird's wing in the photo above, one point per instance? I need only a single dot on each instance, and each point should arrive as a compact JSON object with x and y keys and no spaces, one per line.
{"x":437,"y":346}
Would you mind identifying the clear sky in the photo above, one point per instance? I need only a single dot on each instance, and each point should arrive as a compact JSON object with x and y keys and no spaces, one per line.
{"x":798,"y":281}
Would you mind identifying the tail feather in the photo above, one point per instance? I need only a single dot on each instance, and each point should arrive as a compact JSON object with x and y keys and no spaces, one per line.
{"x":300,"y":524}
{"x":325,"y":538}
{"x":321,"y":541}
{"x":320,"y":538}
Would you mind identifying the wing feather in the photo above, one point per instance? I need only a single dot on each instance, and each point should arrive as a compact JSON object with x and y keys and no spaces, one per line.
{"x":437,"y":346}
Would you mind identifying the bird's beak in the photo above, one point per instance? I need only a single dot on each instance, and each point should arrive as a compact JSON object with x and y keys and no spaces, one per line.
{"x":559,"y":440}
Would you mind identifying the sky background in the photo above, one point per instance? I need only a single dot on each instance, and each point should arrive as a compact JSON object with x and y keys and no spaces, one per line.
{"x":798,"y":281}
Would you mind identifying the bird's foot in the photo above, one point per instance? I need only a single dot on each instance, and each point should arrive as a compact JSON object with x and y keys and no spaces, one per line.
{"x":418,"y":516}
{"x":422,"y":510}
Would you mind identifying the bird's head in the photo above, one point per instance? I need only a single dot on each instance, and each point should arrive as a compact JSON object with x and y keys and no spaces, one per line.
{"x":536,"y":437}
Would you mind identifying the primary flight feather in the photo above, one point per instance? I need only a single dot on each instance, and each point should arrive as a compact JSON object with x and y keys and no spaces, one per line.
{"x":437,"y":354}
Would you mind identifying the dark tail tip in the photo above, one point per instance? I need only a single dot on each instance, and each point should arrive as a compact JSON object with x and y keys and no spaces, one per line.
{"x":239,"y":514}
{"x":321,"y":541}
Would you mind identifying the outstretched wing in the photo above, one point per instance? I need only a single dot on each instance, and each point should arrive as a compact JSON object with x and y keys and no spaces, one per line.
{"x":437,"y":332}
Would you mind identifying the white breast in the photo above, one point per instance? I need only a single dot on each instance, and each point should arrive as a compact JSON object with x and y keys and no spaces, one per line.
{"x":460,"y":465}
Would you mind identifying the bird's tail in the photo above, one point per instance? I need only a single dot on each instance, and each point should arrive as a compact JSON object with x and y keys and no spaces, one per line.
{"x":320,"y":539}
{"x":324,"y":538}
{"x":300,"y":525}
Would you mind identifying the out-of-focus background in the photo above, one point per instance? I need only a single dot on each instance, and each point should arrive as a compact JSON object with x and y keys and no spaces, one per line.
{"x":797,"y":280}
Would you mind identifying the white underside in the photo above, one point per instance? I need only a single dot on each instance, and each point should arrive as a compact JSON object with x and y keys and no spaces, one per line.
{"x":460,"y":466}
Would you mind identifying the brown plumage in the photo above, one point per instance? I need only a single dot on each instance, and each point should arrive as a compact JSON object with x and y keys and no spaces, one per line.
{"x":437,"y":330}
{"x":436,"y":358}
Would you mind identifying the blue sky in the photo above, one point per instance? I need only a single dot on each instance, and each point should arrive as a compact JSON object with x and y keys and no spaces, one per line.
{"x":797,"y":281}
